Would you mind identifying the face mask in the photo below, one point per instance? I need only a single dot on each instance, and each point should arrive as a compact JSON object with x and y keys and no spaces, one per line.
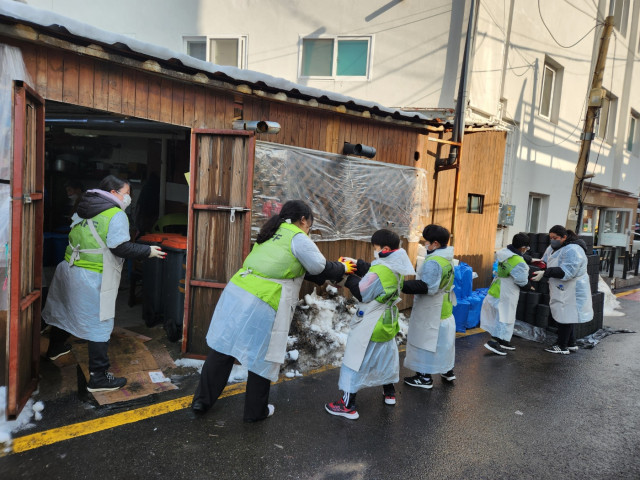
{"x":126,"y":201}
{"x":555,"y":244}
{"x":376,"y":254}
{"x":430,"y":247}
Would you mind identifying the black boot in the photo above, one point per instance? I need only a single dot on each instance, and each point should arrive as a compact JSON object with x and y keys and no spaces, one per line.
{"x":105,"y":382}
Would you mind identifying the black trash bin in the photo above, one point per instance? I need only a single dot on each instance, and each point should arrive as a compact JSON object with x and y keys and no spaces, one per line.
{"x":152,"y":273}
{"x":175,"y":267}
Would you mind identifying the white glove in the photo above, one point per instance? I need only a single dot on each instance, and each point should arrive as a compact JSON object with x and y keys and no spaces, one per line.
{"x":536,"y":259}
{"x":156,"y":252}
{"x":536,"y":277}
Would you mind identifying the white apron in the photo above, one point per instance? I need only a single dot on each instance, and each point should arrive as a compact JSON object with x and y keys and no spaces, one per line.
{"x":498,"y":315}
{"x":361,"y":329}
{"x":286,"y":308}
{"x":111,"y":272}
{"x":424,"y":324}
{"x":564,"y":300}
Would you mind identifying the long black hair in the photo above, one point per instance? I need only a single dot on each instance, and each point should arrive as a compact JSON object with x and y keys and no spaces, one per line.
{"x":111,"y":182}
{"x":561,"y":232}
{"x":292,"y":210}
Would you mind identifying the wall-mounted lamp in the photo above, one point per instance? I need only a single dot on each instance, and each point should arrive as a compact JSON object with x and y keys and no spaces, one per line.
{"x":358,"y":149}
{"x":258,"y":126}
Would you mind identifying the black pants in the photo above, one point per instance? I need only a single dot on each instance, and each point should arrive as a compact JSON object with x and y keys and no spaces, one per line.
{"x":98,"y":356}
{"x":566,"y":335}
{"x":214,"y":377}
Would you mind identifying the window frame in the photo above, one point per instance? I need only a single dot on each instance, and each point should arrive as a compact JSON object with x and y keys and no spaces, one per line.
{"x":243,"y":43}
{"x":621,"y":11}
{"x":480,"y":198}
{"x":609,"y":128}
{"x":529,"y":227}
{"x":634,"y":121}
{"x":186,"y":39}
{"x":334,"y":61}
{"x":551,"y":92}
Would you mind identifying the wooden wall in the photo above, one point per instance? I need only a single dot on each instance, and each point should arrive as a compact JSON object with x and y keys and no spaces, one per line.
{"x":91,"y":82}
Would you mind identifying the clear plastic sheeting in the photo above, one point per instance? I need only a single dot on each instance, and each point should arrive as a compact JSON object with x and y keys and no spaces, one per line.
{"x":537,"y":334}
{"x":351,"y":197}
{"x":592,"y":340}
{"x":11,"y":68}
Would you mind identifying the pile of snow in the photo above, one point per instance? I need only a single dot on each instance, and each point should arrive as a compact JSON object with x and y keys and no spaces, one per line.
{"x":319,"y":332}
{"x":610,"y":301}
{"x":239,"y":373}
{"x":32,"y":410}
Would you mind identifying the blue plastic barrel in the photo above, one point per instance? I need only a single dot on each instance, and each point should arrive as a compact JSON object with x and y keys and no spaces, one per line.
{"x":475,"y":305}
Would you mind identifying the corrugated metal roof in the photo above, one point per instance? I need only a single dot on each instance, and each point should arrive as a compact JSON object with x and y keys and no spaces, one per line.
{"x":59,"y":25}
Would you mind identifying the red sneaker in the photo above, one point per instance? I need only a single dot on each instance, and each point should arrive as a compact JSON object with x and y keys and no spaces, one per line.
{"x":340,"y":409}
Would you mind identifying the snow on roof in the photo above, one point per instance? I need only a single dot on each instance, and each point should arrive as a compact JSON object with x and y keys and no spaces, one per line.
{"x":58,"y":23}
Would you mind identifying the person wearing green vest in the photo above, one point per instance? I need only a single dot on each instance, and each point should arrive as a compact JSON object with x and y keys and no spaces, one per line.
{"x":431,"y":347}
{"x":83,"y":292}
{"x":371,"y":354}
{"x":498,"y":314}
{"x":251,"y":320}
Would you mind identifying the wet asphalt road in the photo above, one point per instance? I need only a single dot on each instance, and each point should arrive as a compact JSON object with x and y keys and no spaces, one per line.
{"x":530,"y":414}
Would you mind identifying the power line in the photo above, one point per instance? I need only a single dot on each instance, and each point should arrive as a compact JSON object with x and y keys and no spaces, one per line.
{"x":554,"y":38}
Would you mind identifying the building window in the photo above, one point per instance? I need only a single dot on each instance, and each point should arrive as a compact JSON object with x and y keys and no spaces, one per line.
{"x":621,"y":16}
{"x":551,"y":90}
{"x":607,"y":119}
{"x":229,"y":51}
{"x":475,"y":203}
{"x":336,"y":57}
{"x":632,"y":135}
{"x":196,"y":47}
{"x":533,"y":213}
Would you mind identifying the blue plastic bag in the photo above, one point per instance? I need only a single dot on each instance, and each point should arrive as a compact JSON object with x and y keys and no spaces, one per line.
{"x":463,"y":280}
{"x":475,"y":305}
{"x":460,"y":313}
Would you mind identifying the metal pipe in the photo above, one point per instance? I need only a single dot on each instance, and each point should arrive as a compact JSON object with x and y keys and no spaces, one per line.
{"x":463,"y":93}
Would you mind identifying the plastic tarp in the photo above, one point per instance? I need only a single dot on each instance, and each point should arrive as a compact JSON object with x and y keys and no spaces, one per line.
{"x":11,"y":68}
{"x":350,"y":197}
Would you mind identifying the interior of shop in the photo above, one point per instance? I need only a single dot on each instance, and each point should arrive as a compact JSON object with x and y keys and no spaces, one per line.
{"x":82,"y":146}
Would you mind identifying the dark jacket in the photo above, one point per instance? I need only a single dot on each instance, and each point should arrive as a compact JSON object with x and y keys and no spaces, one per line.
{"x":92,"y":204}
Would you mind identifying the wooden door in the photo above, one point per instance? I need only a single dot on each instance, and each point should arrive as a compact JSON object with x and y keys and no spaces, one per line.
{"x":27,"y":208}
{"x":220,"y":197}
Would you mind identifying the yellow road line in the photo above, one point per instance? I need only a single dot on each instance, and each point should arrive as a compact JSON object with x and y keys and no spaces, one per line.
{"x":628,"y":292}
{"x":67,"y":432}
{"x":471,"y":331}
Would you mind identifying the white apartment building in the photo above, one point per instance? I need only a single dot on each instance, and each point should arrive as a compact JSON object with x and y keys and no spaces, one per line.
{"x":531,"y":73}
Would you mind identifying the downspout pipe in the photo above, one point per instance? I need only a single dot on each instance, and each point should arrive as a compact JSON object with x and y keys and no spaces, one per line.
{"x":463,"y":92}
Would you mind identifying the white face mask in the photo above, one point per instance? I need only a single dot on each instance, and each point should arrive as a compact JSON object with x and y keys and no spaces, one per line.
{"x":376,"y":254}
{"x":126,"y":201}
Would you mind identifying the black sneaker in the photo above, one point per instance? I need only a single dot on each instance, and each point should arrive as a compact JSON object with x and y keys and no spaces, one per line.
{"x":56,"y":351}
{"x":105,"y":382}
{"x":419,"y":381}
{"x":505,"y":345}
{"x":557,"y":349}
{"x":449,"y":376}
{"x":495,"y":347}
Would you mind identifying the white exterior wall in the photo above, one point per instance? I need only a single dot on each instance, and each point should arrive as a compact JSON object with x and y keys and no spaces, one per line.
{"x":545,"y":153}
{"x":416,"y":46}
{"x":417,"y":49}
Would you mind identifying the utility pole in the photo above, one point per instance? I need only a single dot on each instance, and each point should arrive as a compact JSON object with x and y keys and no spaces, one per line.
{"x":574,"y":216}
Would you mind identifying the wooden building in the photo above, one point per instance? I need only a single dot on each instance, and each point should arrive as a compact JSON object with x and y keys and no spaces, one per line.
{"x":189,"y":111}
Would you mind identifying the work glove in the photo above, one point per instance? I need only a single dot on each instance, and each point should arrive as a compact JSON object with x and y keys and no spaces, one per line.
{"x":350,"y":265}
{"x":536,"y":277}
{"x":156,"y":252}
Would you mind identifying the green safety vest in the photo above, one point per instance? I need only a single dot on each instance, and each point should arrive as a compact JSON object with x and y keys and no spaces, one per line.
{"x":80,"y":236}
{"x":445,"y":284}
{"x":387,"y":326}
{"x":270,"y":259}
{"x":504,"y":269}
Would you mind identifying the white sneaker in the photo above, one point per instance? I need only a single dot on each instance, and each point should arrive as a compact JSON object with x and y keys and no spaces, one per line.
{"x":557,"y":349}
{"x":271,"y":410}
{"x":573,"y":348}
